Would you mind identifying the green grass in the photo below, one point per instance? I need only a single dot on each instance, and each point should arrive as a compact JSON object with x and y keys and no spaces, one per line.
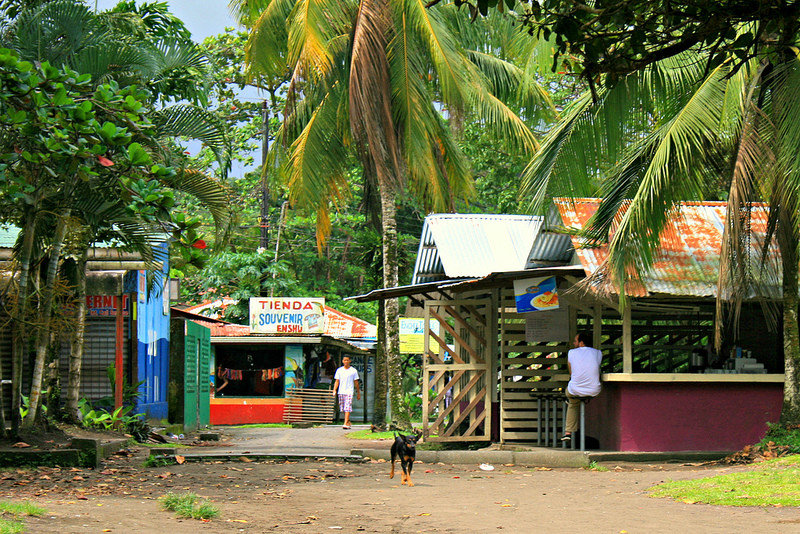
{"x":773,"y":483}
{"x":17,"y":510}
{"x":369,"y":434}
{"x":188,"y":505}
{"x":264,"y":425}
{"x":594,"y":466}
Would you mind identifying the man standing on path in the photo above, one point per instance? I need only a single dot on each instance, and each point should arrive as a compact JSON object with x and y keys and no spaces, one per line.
{"x":584,"y":369}
{"x":345,"y":382}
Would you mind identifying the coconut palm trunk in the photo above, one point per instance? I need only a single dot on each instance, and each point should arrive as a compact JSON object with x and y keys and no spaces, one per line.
{"x":788,"y":243}
{"x":400,"y":416}
{"x":379,"y":411}
{"x":45,"y":320}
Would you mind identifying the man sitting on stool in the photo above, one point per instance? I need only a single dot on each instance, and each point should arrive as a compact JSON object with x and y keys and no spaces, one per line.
{"x":584,"y":369}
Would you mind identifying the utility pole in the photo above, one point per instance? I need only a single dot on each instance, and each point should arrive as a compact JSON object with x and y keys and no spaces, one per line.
{"x":264,"y":223}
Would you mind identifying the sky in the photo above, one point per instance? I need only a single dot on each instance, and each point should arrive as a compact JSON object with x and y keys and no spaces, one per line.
{"x":202,"y":17}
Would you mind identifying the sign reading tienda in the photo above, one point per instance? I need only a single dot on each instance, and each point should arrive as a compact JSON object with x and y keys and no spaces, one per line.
{"x":287,"y":315}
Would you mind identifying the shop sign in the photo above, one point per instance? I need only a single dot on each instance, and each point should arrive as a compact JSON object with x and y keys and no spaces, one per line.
{"x":106,"y":305}
{"x":287,"y":315}
{"x":412,"y":334}
{"x":536,"y":294}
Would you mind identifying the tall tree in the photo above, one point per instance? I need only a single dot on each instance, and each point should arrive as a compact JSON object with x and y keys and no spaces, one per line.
{"x":372,"y":76}
{"x":699,"y":95}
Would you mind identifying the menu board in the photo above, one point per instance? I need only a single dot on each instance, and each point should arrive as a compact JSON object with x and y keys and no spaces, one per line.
{"x":547,"y":326}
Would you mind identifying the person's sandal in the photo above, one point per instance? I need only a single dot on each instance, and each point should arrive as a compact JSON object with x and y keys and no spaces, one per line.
{"x":566,"y":437}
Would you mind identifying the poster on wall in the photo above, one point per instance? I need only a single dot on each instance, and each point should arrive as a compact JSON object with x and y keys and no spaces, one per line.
{"x":294,"y":362}
{"x":550,"y":326}
{"x":287,"y":315}
{"x":536,"y":294}
{"x":412,"y":334}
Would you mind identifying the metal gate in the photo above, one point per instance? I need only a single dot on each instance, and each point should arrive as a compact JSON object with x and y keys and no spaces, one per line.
{"x":456,"y":395}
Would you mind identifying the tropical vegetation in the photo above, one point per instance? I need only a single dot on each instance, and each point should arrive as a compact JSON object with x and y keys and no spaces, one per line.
{"x":370,"y":79}
{"x":91,"y":150}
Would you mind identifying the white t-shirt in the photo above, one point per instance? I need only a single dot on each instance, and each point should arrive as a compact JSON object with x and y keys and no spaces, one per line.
{"x":346,"y":378}
{"x":585,"y":378}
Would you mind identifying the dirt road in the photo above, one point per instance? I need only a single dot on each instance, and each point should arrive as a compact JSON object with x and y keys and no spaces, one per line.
{"x":316,"y":496}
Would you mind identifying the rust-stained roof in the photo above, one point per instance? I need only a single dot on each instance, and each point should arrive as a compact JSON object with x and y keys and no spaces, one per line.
{"x":338,"y":324}
{"x":689,"y":259}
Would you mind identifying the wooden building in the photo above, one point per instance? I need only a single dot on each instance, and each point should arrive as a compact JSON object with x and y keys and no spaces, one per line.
{"x":664,"y":388}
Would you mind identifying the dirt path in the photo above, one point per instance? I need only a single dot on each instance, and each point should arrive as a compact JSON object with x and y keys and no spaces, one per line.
{"x":323,"y":496}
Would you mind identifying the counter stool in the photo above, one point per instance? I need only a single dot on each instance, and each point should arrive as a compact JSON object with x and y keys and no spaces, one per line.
{"x":582,"y":428}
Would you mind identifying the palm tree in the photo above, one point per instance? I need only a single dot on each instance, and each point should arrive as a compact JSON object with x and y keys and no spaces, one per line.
{"x":678,"y":131}
{"x":373,"y":76}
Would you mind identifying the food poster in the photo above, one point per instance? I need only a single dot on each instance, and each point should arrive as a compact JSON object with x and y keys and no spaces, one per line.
{"x":294,"y":361}
{"x":536,"y":294}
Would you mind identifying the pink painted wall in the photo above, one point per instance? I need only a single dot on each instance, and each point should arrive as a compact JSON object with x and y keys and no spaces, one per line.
{"x":681,"y":416}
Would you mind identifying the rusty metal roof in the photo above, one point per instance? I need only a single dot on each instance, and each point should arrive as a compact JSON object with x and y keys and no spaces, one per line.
{"x":689,"y":259}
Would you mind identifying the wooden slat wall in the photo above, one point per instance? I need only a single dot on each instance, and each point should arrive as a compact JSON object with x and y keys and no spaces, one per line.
{"x":305,"y":405}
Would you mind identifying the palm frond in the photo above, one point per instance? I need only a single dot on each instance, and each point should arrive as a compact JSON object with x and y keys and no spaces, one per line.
{"x":186,"y":120}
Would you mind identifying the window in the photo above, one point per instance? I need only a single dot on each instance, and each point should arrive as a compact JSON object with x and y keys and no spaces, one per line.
{"x":249,"y":371}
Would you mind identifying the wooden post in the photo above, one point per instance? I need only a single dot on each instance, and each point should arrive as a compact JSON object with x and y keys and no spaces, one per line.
{"x":627,"y":340}
{"x":118,"y":360}
{"x":597,"y":326}
{"x":425,"y":378}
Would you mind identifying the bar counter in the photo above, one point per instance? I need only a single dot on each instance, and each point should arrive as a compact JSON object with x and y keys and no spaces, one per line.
{"x":683,"y":411}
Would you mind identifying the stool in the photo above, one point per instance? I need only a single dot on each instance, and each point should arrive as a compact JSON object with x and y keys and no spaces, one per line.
{"x":582,"y":428}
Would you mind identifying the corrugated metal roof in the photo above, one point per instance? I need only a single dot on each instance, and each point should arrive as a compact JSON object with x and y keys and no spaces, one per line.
{"x":462,"y":245}
{"x":689,"y":259}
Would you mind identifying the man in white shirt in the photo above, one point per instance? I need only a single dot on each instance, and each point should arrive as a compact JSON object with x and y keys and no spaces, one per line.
{"x":584,"y":369}
{"x":345,"y":382}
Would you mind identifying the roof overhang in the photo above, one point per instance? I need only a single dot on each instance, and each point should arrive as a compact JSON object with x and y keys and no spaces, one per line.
{"x":489,"y":281}
{"x":286,"y":340}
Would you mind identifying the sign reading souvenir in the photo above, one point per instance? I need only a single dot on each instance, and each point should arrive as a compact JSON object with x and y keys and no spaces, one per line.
{"x":536,"y":294}
{"x":106,"y":305}
{"x":550,"y":326}
{"x":286,"y":315}
{"x":412,"y":334}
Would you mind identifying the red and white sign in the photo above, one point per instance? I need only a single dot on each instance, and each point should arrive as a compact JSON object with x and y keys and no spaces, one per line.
{"x":106,"y":305}
{"x":286,"y":315}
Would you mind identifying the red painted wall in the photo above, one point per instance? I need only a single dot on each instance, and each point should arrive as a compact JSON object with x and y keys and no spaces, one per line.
{"x":246,"y":411}
{"x":682,"y":416}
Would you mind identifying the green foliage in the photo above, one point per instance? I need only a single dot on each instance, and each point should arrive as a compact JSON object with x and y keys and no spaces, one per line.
{"x":158,"y":461}
{"x":782,"y":436}
{"x":107,"y":420}
{"x":188,"y":505}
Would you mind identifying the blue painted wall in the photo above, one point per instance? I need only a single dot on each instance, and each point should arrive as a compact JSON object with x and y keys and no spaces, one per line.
{"x":152,"y":328}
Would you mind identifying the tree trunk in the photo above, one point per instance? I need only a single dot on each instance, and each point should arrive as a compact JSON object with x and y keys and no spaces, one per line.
{"x":400,"y":416}
{"x":19,"y":346}
{"x":379,"y":412}
{"x":77,"y":342}
{"x":45,"y":318}
{"x":788,"y":243}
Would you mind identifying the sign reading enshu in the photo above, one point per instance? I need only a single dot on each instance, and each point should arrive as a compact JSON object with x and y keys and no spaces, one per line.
{"x":287,"y":315}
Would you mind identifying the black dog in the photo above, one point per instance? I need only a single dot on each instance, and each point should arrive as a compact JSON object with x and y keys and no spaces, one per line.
{"x":406,"y":448}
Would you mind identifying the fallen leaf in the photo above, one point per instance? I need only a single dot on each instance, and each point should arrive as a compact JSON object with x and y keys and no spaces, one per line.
{"x":424,"y":513}
{"x":238,"y":520}
{"x":105,"y":162}
{"x":180,"y":459}
{"x":20,"y":445}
